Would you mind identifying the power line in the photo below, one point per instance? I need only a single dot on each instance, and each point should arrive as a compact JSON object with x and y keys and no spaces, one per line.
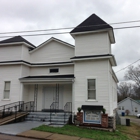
{"x":127,"y":66}
{"x":54,"y":29}
{"x":67,"y":32}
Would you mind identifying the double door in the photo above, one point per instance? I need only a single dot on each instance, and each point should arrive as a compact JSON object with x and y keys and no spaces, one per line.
{"x":52,"y":93}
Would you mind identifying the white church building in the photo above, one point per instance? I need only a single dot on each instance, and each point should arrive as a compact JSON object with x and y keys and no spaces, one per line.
{"x":59,"y":72}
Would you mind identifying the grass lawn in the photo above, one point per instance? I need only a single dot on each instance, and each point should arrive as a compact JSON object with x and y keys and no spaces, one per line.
{"x":85,"y":133}
{"x":133,"y":131}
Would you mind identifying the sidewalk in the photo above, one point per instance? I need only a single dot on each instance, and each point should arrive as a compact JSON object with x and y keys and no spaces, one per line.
{"x":48,"y":136}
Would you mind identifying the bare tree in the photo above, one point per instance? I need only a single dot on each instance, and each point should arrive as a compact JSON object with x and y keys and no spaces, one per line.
{"x":124,"y":90}
{"x":133,"y":74}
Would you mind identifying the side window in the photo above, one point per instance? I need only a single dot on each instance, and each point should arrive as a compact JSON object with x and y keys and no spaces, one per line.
{"x":136,"y":110}
{"x":119,"y":108}
{"x":7,"y":89}
{"x":91,"y":88}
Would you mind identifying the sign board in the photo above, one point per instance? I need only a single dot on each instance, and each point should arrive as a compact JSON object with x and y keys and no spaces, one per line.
{"x":93,"y":117}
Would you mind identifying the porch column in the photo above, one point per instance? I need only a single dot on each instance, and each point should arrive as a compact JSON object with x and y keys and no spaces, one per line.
{"x":35,"y":96}
{"x":21,"y":92}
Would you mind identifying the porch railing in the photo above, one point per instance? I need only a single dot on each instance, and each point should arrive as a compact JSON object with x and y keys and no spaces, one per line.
{"x":14,"y":108}
{"x":67,"y":109}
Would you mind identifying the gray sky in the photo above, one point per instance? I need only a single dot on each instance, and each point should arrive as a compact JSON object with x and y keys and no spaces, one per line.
{"x":20,"y":15}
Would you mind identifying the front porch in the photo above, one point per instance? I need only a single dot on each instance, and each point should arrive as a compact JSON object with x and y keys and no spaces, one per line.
{"x":46,"y":96}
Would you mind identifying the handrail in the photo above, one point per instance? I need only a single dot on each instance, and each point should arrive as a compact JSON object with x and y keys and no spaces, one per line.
{"x":53,"y":107}
{"x":67,"y":109}
{"x":11,"y":103}
{"x":21,"y":107}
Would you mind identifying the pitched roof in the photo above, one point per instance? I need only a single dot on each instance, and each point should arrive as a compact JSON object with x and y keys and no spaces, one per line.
{"x":92,"y":23}
{"x":129,"y":99}
{"x":16,"y":39}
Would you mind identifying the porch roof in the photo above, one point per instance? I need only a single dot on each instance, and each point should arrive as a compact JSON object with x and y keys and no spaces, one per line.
{"x":47,"y":78}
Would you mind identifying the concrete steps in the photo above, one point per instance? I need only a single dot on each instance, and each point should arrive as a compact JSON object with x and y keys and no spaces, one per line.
{"x":56,"y":118}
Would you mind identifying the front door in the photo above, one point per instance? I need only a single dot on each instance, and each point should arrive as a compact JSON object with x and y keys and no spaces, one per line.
{"x":52,"y":93}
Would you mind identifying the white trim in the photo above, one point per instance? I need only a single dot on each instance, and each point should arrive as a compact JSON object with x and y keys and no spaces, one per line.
{"x":44,"y":65}
{"x":111,"y":58}
{"x":48,"y":41}
{"x":96,"y":85}
{"x":4,"y":90}
{"x":91,"y":58}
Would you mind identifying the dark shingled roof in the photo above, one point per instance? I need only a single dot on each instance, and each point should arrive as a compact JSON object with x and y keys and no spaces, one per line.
{"x":49,"y":76}
{"x":15,"y":40}
{"x":92,"y":23}
{"x":90,"y":56}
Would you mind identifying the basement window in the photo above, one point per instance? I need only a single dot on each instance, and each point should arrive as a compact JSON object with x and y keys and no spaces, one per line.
{"x":54,"y":70}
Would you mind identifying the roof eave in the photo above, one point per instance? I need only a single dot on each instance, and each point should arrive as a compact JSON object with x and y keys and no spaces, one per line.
{"x":25,"y":80}
{"x":91,"y":58}
{"x":114,"y":76}
{"x":16,"y":43}
{"x":113,"y":61}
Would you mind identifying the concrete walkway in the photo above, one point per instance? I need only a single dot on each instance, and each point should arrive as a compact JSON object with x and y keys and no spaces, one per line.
{"x":16,"y":128}
{"x":48,"y":136}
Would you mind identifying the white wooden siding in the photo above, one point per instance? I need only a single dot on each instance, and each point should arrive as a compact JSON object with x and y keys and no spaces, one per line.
{"x":25,"y":53}
{"x":93,"y":68}
{"x":10,"y":73}
{"x":52,"y":52}
{"x":25,"y":71}
{"x":92,"y":44}
{"x":10,"y":53}
{"x":69,"y":69}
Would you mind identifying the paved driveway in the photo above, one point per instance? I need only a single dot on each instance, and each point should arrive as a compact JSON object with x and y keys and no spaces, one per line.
{"x":15,"y":128}
{"x":134,"y":120}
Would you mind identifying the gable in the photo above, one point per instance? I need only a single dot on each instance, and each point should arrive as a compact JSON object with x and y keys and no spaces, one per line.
{"x":52,"y":51}
{"x":128,"y":99}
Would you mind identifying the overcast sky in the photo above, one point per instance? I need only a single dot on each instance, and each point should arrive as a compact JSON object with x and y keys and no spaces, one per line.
{"x":21,"y":15}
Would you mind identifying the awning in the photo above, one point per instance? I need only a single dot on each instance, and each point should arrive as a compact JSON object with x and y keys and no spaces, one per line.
{"x":47,"y":78}
{"x":92,"y":107}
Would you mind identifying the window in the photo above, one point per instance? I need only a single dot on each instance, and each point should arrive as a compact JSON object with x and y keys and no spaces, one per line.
{"x":56,"y":70}
{"x":136,"y":110}
{"x":119,"y":108}
{"x":91,"y":89}
{"x":6,"y":89}
{"x":122,"y":107}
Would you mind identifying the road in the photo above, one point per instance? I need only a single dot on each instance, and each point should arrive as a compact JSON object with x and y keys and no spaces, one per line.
{"x":10,"y":137}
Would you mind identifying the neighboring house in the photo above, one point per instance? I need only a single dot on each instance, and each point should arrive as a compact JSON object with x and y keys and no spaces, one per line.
{"x":129,"y":104}
{"x":57,"y":71}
